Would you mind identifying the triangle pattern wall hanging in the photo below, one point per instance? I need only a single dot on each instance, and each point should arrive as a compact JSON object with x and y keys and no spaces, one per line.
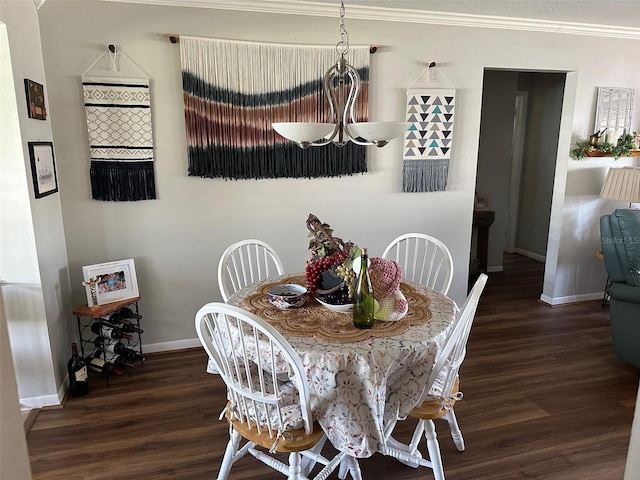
{"x":426,"y":165}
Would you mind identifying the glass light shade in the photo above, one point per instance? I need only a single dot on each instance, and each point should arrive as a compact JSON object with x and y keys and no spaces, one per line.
{"x":377,"y":131}
{"x":303,"y":132}
{"x":622,"y":184}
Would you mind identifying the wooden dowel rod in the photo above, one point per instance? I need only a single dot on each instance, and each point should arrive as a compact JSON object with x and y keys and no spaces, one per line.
{"x":175,"y":38}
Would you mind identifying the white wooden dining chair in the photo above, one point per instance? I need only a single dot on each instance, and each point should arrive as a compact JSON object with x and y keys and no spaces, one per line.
{"x":424,"y":259}
{"x":268,"y":395}
{"x":441,"y":393}
{"x":246,"y":262}
{"x":241,"y":264}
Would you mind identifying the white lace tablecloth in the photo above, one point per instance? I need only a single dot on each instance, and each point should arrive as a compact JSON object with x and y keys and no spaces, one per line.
{"x":359,"y":389}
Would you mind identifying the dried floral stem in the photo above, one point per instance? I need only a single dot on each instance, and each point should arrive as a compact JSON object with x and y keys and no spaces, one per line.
{"x":316,"y":227}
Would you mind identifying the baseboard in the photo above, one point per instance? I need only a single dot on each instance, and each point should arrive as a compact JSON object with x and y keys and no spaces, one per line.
{"x":174,"y":345}
{"x":533,"y":256}
{"x":43,"y":401}
{"x":495,"y":268}
{"x":585,"y":297}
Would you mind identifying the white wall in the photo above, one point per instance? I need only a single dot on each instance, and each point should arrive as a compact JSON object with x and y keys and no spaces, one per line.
{"x":14,"y":458}
{"x":177,"y":239}
{"x":632,"y":468}
{"x":33,"y":255}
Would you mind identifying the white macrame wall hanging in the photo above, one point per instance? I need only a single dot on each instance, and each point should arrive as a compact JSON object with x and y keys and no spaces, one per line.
{"x":118,"y":114}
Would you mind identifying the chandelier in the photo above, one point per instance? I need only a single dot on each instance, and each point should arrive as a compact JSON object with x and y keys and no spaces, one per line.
{"x":342,"y":99}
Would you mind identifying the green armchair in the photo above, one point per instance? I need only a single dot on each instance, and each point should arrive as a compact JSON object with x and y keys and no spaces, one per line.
{"x":620,"y":237}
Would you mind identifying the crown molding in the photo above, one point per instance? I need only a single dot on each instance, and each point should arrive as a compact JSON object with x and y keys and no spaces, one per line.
{"x":298,"y":7}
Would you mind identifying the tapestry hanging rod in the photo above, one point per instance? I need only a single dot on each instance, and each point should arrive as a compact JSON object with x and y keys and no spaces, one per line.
{"x":175,"y":38}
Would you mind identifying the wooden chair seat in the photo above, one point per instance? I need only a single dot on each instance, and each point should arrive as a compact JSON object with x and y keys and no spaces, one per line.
{"x":292,"y":440}
{"x":437,"y":407}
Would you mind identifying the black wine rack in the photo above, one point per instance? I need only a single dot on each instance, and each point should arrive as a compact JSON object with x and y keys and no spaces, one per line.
{"x":88,"y":316}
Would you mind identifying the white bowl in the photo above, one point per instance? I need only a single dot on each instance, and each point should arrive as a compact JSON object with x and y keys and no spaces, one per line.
{"x":346,"y":308}
{"x":303,"y":131}
{"x":378,"y":131}
{"x":287,"y":295}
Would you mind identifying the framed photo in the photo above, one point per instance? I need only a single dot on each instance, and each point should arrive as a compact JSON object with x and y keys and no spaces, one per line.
{"x":43,"y":168}
{"x":110,"y":282}
{"x":482,"y":202}
{"x":35,"y":99}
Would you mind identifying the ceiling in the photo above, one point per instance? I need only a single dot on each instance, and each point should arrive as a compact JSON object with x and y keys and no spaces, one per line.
{"x":570,"y":16}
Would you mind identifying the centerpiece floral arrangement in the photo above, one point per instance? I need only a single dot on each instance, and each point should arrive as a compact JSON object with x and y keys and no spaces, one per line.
{"x":329,"y":270}
{"x":331,"y":277}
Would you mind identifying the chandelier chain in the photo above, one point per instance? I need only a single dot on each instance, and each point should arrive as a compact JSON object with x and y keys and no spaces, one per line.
{"x":341,"y":84}
{"x":342,"y":47}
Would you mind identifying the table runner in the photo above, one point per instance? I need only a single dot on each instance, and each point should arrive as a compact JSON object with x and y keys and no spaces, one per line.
{"x":118,"y":114}
{"x":317,"y":321}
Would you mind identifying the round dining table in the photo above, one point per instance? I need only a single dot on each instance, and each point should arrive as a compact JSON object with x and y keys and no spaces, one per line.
{"x":361,"y":381}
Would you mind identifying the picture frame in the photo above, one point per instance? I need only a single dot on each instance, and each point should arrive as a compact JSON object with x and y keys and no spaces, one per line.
{"x":482,"y":202}
{"x":43,"y":168}
{"x":614,"y":109}
{"x":110,"y":282}
{"x":34,"y":92}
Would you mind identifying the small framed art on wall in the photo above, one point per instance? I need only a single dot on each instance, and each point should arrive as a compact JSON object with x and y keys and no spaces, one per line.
{"x":43,"y":168}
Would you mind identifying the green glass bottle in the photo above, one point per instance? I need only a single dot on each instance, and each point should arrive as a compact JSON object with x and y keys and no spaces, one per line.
{"x":363,"y":301}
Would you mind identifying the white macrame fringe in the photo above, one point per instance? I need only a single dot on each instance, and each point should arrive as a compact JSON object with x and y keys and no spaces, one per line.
{"x":266,"y":68}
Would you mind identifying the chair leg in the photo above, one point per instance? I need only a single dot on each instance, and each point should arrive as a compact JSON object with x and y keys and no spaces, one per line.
{"x":229,"y":453}
{"x":351,"y":465}
{"x":416,"y":437}
{"x":434,"y":449}
{"x":456,"y":434}
{"x":294,"y":467}
{"x":307,"y":463}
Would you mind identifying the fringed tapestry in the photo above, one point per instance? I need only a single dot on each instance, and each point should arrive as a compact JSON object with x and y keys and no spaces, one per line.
{"x":427,"y":142}
{"x":118,"y":114}
{"x":233,"y":91}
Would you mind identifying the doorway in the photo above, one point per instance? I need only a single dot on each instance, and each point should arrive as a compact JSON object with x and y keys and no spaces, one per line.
{"x":518,"y":147}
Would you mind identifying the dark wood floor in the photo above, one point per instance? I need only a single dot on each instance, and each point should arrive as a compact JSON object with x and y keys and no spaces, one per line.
{"x":545,"y":398}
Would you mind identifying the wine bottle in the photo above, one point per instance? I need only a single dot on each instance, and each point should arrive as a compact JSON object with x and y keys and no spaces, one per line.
{"x":101,"y":366}
{"x":114,"y":320}
{"x":78,"y":375}
{"x":109,"y":332}
{"x":100,"y":341}
{"x":121,"y":349}
{"x":363,"y":300}
{"x":126,"y":312}
{"x":117,"y":360}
